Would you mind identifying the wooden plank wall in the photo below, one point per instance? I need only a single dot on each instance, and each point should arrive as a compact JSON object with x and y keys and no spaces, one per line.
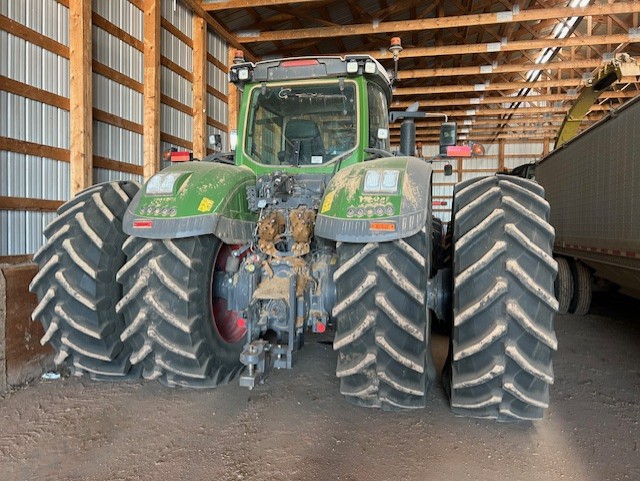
{"x":22,"y":358}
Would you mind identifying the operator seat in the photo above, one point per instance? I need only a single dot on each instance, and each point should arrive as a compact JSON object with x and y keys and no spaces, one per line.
{"x":303,"y":141}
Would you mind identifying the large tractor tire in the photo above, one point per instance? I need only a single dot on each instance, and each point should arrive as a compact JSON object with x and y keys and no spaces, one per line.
{"x":564,"y":285}
{"x":182,"y":334}
{"x":582,"y":290}
{"x":76,"y":284}
{"x":499,"y":362}
{"x":382,"y":323}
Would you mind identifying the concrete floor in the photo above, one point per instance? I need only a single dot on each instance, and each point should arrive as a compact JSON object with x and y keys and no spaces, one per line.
{"x":298,"y":427}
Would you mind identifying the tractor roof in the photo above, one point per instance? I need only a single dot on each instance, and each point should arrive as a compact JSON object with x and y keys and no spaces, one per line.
{"x":303,"y":68}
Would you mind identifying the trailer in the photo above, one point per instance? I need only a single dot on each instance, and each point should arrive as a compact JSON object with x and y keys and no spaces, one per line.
{"x":592,"y":183}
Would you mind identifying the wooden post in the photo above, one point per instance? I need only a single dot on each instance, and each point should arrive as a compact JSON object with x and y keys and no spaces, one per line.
{"x":545,"y":146}
{"x":80,"y":96}
{"x":152,"y":46}
{"x":199,"y":87}
{"x":501,"y":145}
{"x":232,"y":99}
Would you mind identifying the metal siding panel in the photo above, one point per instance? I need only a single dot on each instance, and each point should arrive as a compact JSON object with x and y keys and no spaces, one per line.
{"x":179,"y":15}
{"x":123,"y":14}
{"x":116,"y":143}
{"x":177,"y":87}
{"x":106,"y":175}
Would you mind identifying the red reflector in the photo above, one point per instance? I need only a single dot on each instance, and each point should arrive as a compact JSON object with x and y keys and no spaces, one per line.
{"x":320,"y":327}
{"x":385,"y":226}
{"x":143,"y":224}
{"x":439,"y":202}
{"x":458,"y":151}
{"x":180,"y":156}
{"x":241,"y":323}
{"x":303,"y":62}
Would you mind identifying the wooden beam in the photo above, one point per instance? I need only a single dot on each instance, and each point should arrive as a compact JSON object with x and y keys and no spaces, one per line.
{"x":33,"y":93}
{"x":438,"y":23}
{"x":515,"y":46}
{"x":490,"y":69}
{"x":31,"y":148}
{"x":199,"y":87}
{"x":26,"y":203}
{"x":80,"y":96}
{"x":196,"y":7}
{"x":231,"y":4}
{"x":151,"y":84}
{"x":31,"y":36}
{"x":508,"y":99}
{"x":232,"y":105}
{"x":490,"y":87}
{"x":501,"y":144}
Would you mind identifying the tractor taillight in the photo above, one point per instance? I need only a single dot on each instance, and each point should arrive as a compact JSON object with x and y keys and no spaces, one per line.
{"x":301,"y":62}
{"x":383,"y":226}
{"x":143,"y":224}
{"x":182,"y":156}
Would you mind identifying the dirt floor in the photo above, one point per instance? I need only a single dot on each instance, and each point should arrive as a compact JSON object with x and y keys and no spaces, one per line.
{"x":298,"y":427}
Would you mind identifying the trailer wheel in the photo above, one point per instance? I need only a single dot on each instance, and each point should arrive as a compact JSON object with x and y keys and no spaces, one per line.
{"x":182,"y":332}
{"x":582,"y":291}
{"x":499,"y":362}
{"x":382,"y":323}
{"x":564,"y":285}
{"x":76,"y":286}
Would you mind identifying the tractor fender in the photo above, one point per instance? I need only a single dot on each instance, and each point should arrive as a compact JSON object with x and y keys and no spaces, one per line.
{"x":379,"y":200}
{"x":193,"y":198}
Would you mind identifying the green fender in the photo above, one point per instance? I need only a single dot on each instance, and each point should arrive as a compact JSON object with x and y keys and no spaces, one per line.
{"x":380,"y":211}
{"x":193,"y":198}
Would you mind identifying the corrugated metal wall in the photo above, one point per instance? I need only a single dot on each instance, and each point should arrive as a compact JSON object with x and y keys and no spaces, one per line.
{"x":110,"y":141}
{"x":24,"y":175}
{"x":35,"y":177}
{"x":174,"y":122}
{"x":217,"y":77}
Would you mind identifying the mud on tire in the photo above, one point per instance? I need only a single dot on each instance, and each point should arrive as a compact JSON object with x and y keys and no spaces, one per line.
{"x":382,"y":332}
{"x":168,"y":310}
{"x":76,"y":286}
{"x":499,"y":362}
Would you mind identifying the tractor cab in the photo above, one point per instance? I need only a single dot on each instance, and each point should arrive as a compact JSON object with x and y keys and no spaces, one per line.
{"x":311,"y":112}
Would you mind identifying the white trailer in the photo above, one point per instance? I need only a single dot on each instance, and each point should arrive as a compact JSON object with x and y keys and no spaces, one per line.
{"x":593,"y":185}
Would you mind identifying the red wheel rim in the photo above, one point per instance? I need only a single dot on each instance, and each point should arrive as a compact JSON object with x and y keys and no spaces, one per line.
{"x":224,"y":320}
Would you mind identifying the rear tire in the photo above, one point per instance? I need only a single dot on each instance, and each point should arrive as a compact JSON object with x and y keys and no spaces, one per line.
{"x":382,"y":328}
{"x":169,"y":312}
{"x":76,"y":286}
{"x":564,"y":285}
{"x":499,"y":362}
{"x":582,"y":291}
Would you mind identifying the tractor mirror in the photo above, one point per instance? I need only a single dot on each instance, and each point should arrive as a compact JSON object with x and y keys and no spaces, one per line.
{"x":448,"y":133}
{"x":215,"y":141}
{"x":448,"y":169}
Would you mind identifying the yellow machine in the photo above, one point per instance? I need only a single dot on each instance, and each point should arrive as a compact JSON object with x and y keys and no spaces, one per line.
{"x":623,"y":65}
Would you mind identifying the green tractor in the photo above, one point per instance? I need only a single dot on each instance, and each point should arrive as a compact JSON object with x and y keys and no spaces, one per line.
{"x":215,"y":269}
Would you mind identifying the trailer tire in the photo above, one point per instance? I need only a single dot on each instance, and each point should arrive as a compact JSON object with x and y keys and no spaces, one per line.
{"x":564,"y":285}
{"x":170,"y":311}
{"x":582,"y":292}
{"x":76,"y":286}
{"x":382,"y":322}
{"x":499,"y":362}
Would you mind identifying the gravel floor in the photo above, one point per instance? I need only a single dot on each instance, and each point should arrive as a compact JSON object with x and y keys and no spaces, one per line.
{"x":298,"y":427}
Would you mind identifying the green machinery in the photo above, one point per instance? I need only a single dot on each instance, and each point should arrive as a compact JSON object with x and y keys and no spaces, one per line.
{"x":215,"y":269}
